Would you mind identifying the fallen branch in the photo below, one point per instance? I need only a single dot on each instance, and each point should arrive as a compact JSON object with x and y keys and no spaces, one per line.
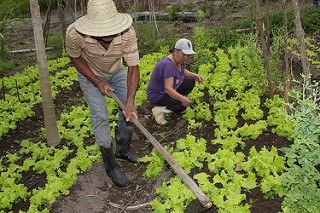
{"x":130,"y":208}
{"x":135,"y":193}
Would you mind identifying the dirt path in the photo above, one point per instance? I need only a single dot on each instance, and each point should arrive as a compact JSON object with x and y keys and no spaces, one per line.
{"x":94,"y":193}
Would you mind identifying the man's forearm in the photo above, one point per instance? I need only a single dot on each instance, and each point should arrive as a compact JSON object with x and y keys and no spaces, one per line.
{"x":133,"y":82}
{"x":82,"y":67}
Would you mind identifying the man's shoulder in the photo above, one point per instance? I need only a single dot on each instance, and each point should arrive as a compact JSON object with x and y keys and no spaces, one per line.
{"x":129,"y":32}
{"x":71,"y":31}
{"x":72,"y":35}
{"x":71,"y":28}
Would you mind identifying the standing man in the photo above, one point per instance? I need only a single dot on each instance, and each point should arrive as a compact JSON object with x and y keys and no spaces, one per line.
{"x":96,"y":44}
{"x":315,"y":3}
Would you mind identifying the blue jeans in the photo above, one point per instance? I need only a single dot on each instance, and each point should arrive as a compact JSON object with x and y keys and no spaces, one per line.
{"x":315,"y":3}
{"x":98,"y":106}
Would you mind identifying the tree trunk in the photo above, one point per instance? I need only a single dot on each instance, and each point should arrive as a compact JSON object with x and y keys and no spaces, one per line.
{"x":62,"y":22}
{"x":52,"y":132}
{"x":263,"y":37}
{"x":75,"y":10}
{"x":267,"y":52}
{"x":258,"y":21}
{"x":83,"y":6}
{"x":46,"y":27}
{"x":286,"y":55}
{"x":152,"y":17}
{"x":300,"y":36}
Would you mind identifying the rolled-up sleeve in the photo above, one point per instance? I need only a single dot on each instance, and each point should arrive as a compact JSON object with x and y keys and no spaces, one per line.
{"x":130,"y":47}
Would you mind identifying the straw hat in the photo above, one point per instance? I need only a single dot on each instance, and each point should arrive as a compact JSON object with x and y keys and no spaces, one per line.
{"x":102,"y":19}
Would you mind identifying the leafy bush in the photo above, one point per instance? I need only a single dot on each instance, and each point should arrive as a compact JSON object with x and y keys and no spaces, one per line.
{"x":302,"y":177}
{"x":150,"y":40}
{"x":56,"y":41}
{"x":173,"y":11}
{"x":7,"y":65}
{"x":12,"y":8}
{"x":208,"y":8}
{"x":310,"y":20}
{"x":309,"y":17}
{"x":242,"y":23}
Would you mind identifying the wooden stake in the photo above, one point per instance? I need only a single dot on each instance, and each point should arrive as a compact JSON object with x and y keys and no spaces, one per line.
{"x":32,"y":87}
{"x":17,"y":87}
{"x":3,"y":93}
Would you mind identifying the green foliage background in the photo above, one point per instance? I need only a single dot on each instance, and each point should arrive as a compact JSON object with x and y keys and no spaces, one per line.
{"x":12,"y":9}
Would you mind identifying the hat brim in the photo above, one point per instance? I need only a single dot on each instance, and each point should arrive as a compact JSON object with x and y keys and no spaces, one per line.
{"x":188,"y":52}
{"x":113,"y":26}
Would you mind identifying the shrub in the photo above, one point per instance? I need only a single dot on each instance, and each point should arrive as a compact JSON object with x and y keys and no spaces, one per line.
{"x":309,"y":18}
{"x":12,"y":8}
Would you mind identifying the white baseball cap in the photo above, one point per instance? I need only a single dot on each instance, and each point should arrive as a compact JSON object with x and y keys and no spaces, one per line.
{"x":185,"y":46}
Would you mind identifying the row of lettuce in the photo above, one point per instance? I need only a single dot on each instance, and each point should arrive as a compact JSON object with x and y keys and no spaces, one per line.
{"x":60,"y":165}
{"x":235,"y":83}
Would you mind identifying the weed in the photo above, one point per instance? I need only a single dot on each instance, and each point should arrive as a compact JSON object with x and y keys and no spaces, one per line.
{"x":7,"y":64}
{"x":55,"y":41}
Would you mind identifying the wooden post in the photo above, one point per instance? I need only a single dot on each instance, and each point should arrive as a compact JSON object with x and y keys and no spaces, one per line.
{"x":62,"y":22}
{"x":17,"y":87}
{"x":32,"y":87}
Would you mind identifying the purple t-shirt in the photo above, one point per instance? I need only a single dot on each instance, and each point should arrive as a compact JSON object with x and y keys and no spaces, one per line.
{"x":164,"y":69}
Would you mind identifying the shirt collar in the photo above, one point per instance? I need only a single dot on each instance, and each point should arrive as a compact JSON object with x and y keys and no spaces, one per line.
{"x":116,"y":40}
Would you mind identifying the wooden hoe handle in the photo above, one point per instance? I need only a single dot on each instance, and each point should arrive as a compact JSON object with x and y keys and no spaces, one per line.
{"x":203,"y":199}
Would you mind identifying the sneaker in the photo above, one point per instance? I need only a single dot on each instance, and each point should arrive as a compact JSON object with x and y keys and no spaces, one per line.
{"x":158,"y":113}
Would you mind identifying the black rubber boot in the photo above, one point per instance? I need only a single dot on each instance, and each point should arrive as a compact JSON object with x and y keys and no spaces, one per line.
{"x":113,"y":169}
{"x":123,"y":141}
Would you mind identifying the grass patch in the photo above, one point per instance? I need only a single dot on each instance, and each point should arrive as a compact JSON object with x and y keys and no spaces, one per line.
{"x":56,"y":41}
{"x":152,"y":41}
{"x":7,"y":64}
